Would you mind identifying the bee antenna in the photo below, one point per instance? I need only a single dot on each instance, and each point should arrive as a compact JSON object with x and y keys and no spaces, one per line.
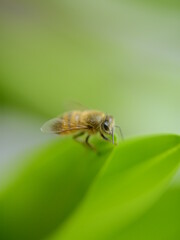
{"x":120,"y":130}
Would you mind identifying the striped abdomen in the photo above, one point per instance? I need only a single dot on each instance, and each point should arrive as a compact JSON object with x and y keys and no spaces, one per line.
{"x":70,"y":121}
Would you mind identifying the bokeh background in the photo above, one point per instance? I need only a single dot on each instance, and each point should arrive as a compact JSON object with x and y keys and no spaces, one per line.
{"x":122,"y":57}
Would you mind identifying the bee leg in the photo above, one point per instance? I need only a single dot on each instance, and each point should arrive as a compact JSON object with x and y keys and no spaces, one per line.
{"x":78,"y":135}
{"x":88,"y":144}
{"x":105,"y":138}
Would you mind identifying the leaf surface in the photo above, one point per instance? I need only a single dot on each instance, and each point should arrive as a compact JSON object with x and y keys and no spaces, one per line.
{"x":69,"y":192}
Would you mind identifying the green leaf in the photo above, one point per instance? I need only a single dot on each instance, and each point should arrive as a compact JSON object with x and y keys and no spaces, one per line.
{"x":134,"y":177}
{"x":69,"y":192}
{"x":160,"y":222}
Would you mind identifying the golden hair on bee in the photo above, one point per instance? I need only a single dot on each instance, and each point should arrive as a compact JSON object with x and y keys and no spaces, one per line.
{"x":81,"y":122}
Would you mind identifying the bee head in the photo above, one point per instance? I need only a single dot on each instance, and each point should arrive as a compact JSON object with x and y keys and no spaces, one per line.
{"x":107,"y":125}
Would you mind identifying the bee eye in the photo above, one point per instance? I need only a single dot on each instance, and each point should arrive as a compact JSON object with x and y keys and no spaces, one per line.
{"x":106,"y":128}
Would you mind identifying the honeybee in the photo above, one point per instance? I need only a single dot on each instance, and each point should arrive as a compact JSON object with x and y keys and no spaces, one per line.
{"x":81,"y":122}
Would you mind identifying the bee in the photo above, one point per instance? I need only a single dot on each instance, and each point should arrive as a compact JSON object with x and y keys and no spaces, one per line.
{"x":81,"y":122}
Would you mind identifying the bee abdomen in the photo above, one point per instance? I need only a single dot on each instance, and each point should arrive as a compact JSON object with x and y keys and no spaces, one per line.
{"x":75,"y":119}
{"x":71,"y":120}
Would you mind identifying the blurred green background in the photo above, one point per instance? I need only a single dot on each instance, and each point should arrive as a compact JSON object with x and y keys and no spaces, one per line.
{"x":121,"y":57}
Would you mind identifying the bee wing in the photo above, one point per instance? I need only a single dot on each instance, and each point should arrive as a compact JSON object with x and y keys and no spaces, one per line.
{"x":55,"y":126}
{"x":51,"y":126}
{"x":73,"y":105}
